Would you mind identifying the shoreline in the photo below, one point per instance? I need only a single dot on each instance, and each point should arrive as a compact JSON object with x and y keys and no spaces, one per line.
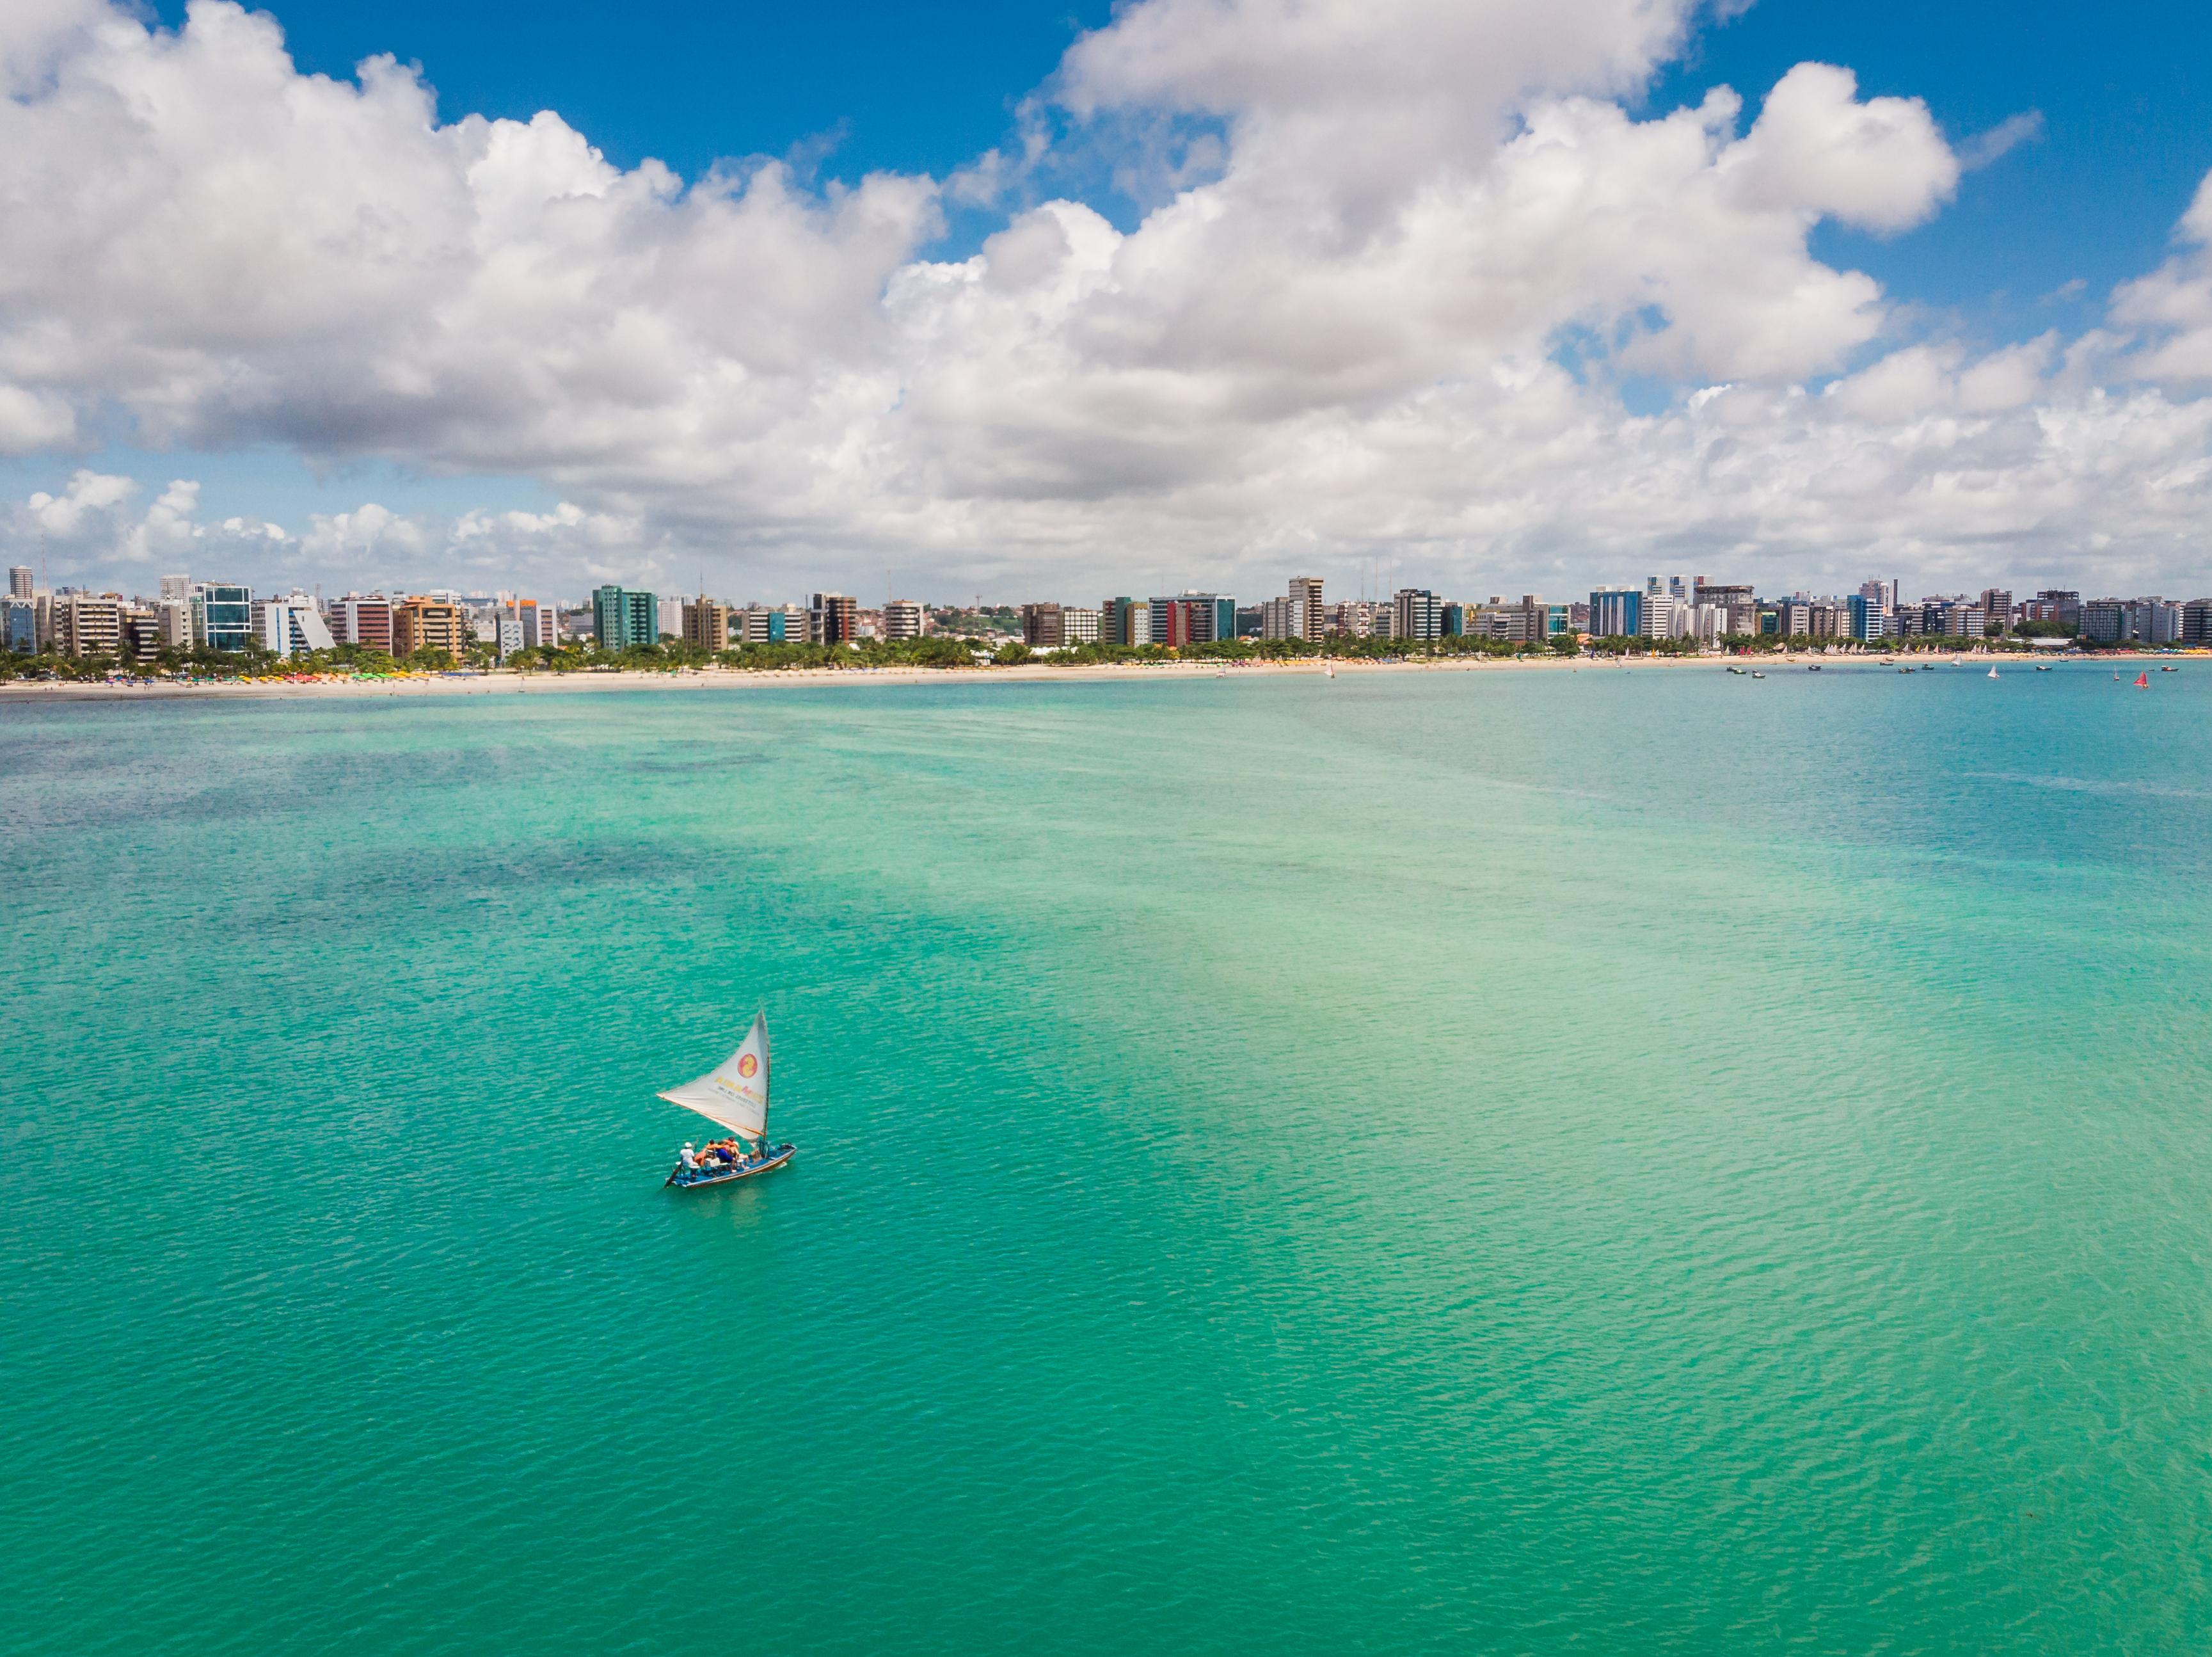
{"x":504,"y":682}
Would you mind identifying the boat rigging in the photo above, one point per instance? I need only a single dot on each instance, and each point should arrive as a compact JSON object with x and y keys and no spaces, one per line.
{"x":733,"y":1095}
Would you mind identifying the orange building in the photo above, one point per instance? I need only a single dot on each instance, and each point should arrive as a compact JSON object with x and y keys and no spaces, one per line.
{"x":421,"y":624}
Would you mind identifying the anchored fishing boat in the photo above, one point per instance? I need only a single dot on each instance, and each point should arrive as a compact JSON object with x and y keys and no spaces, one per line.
{"x":733,"y":1095}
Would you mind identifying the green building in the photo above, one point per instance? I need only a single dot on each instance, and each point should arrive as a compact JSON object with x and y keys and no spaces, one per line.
{"x":621,"y":617}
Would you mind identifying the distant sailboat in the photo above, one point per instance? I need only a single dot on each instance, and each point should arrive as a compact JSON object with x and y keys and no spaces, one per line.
{"x":733,"y":1095}
{"x":2142,"y":682}
{"x":1993,"y":670}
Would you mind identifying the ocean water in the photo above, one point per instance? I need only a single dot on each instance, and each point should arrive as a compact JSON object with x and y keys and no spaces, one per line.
{"x":1608,"y":1161}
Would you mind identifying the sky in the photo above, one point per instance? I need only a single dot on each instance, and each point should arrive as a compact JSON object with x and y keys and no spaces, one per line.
{"x":1055,"y":302}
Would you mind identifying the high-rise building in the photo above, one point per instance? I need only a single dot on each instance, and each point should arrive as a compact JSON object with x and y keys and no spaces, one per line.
{"x":362,"y":619}
{"x":1793,"y":618}
{"x":141,"y":632}
{"x":668,"y":618}
{"x":86,"y":625}
{"x":541,"y":622}
{"x":1417,"y":613}
{"x":1124,"y":621}
{"x":286,"y":626}
{"x":421,"y":623}
{"x":19,"y":582}
{"x":2059,"y":604}
{"x":706,"y":623}
{"x":1352,"y":618}
{"x":19,"y":626}
{"x":1616,"y":613}
{"x":2105,"y":621}
{"x":1663,"y":617}
{"x":1305,"y":592}
{"x":2196,"y":622}
{"x":901,"y":619}
{"x":1881,"y":590}
{"x":223,"y":615}
{"x":832,"y":618}
{"x":176,"y":589}
{"x":623,"y":618}
{"x":775,"y":623}
{"x":1997,"y":608}
{"x":1079,"y":624}
{"x":1869,"y":615}
{"x":1041,"y":626}
{"x":1193,"y":619}
{"x":2155,"y":621}
{"x":1281,"y":619}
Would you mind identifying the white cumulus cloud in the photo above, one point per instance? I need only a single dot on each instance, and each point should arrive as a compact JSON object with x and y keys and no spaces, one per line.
{"x":1396,"y":261}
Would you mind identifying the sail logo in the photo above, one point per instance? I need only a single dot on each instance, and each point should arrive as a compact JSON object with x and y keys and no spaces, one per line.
{"x":747,"y":1066}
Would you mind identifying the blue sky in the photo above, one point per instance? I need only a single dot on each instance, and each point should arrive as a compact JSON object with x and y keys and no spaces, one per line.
{"x":2034,"y":243}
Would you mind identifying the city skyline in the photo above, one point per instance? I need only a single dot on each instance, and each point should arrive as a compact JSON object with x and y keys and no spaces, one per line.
{"x":1495,"y":298}
{"x":196,"y":617}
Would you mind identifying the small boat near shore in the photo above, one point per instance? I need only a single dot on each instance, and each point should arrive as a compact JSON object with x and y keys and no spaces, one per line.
{"x":733,"y":1096}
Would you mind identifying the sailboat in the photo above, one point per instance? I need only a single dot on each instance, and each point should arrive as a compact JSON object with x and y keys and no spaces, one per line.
{"x":733,"y":1095}
{"x":1993,"y":670}
{"x":2142,"y":680}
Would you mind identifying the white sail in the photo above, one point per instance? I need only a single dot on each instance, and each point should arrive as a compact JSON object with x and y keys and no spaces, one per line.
{"x":735,"y":1092}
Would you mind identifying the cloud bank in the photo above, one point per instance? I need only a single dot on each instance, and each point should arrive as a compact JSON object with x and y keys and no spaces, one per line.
{"x":1408,"y":261}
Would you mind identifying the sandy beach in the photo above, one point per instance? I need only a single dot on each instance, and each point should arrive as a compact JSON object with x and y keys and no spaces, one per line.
{"x":503,"y":683}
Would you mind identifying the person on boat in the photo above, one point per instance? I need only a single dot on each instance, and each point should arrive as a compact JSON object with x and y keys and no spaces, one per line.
{"x":687,"y":1158}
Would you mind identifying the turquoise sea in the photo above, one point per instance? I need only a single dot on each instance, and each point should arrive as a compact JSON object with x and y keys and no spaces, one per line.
{"x":1602,"y":1161}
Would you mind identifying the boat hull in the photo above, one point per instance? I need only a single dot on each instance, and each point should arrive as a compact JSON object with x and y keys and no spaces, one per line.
{"x":684,"y":1179}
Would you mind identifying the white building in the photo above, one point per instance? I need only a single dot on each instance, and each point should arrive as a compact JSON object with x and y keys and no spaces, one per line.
{"x":2155,"y":621}
{"x":1078,"y":625}
{"x":670,"y":617}
{"x":289,"y":624}
{"x":903,"y":619}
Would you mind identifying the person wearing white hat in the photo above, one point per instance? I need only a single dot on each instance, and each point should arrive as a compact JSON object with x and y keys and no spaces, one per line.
{"x":689,"y":1160}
